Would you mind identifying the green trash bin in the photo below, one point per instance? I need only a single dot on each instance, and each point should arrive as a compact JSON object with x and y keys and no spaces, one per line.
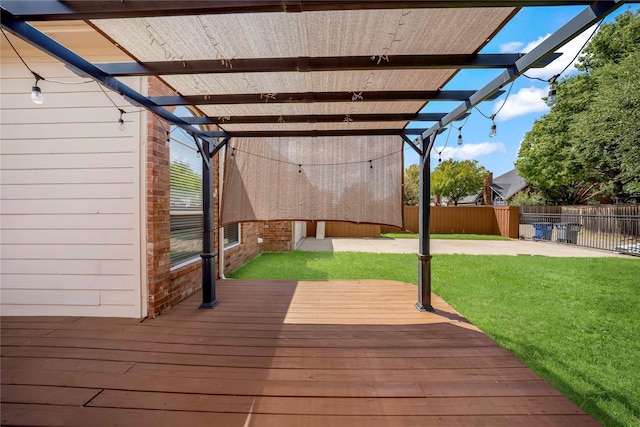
{"x":567,"y":232}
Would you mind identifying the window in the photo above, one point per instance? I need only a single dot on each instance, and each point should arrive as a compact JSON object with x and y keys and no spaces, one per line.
{"x":499,"y":201}
{"x":231,"y":236}
{"x":185,"y":196}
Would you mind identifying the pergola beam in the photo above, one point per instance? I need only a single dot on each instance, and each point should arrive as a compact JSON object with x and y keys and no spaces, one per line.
{"x":318,"y":133}
{"x":76,"y":62}
{"x":315,"y":118}
{"x":311,"y":97}
{"x":309,"y":64}
{"x":46,"y":10}
{"x":562,"y":36}
{"x":582,"y":21}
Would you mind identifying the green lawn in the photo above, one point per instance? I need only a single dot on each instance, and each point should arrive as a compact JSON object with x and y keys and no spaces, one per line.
{"x":444,"y":236}
{"x":575,"y":321}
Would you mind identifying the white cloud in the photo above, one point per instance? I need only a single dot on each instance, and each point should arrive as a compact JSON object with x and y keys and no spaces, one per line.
{"x":531,"y":45}
{"x":526,"y":100}
{"x":469,"y":151}
{"x":569,"y":51}
{"x":511,"y":47}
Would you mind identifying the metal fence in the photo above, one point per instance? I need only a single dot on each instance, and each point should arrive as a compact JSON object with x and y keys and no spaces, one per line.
{"x":617,"y":233}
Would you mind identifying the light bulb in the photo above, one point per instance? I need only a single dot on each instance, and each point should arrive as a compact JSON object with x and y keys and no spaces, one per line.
{"x":36,"y":95}
{"x":121,"y":124}
{"x":552,"y":97}
{"x":460,"y":139}
{"x":493,"y":132}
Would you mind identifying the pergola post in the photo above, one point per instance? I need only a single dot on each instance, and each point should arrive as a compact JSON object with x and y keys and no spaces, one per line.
{"x":424,"y":255}
{"x":208,"y":256}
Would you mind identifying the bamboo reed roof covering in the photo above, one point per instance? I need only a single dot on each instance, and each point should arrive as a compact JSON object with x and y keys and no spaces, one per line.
{"x":316,"y":60}
{"x":377,"y":35}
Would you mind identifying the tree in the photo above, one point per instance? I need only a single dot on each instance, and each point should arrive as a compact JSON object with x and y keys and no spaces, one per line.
{"x":607,"y":133}
{"x":455,"y":180}
{"x":412,"y":185}
{"x":548,"y":160}
{"x":527,"y":198}
{"x":613,"y":42}
{"x":588,"y":145}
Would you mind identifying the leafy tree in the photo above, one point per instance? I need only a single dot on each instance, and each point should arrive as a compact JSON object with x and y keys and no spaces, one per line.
{"x":607,"y":133}
{"x":527,"y":198}
{"x":455,"y":180}
{"x":613,"y":42}
{"x":588,"y":145}
{"x":547,"y":159}
{"x":412,"y":185}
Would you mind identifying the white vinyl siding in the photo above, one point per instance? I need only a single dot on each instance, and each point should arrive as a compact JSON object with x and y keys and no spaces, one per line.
{"x":70,"y":195}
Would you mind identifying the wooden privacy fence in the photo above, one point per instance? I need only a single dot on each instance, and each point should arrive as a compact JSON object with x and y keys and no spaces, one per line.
{"x":492,"y":220}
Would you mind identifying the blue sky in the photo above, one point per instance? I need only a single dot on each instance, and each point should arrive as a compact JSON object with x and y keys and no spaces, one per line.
{"x":524,"y":105}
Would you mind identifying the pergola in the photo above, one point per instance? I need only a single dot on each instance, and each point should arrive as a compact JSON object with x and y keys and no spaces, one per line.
{"x":304,"y":69}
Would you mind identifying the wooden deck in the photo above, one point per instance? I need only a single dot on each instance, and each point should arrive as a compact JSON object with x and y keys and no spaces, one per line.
{"x":274,"y":353}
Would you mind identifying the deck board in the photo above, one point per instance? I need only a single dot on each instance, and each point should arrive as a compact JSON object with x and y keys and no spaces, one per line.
{"x":274,"y":353}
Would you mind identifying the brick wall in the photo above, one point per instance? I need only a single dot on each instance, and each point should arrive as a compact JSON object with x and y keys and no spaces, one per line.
{"x":249,"y":248}
{"x":277,"y":236}
{"x":166,"y":288}
{"x":157,"y":204}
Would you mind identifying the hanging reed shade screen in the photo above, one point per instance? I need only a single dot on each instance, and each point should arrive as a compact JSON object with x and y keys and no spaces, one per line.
{"x":355,"y":179}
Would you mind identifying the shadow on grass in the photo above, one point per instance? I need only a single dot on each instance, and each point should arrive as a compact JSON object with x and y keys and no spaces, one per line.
{"x":586,"y":401}
{"x":451,"y":316}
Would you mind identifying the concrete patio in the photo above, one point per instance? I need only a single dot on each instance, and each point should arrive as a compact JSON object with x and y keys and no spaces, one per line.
{"x":471,"y":247}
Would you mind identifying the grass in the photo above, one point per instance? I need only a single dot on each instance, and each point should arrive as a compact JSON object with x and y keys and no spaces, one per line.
{"x":574,"y":321}
{"x":444,"y":236}
{"x":329,"y":266}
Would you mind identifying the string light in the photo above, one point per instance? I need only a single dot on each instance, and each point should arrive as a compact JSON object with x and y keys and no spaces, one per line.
{"x":121,"y":124}
{"x":300,"y":165}
{"x":494,"y":128}
{"x":460,"y":141}
{"x":168,"y":141}
{"x":552,"y":97}
{"x":36,"y":92}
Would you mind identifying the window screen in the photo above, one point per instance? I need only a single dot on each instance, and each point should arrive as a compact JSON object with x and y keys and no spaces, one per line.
{"x":231,"y":236}
{"x":186,"y":196}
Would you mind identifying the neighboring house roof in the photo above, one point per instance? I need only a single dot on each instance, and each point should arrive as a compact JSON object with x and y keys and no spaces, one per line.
{"x":508,"y":184}
{"x":505,"y":186}
{"x":470,"y":200}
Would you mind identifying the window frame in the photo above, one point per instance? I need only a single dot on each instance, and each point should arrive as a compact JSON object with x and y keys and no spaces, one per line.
{"x":174,"y":138}
{"x":235,"y":243}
